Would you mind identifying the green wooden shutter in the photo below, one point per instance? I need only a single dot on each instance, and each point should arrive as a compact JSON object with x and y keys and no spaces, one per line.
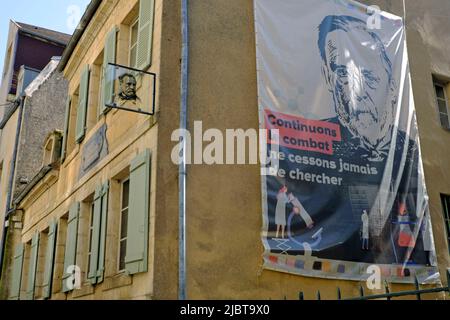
{"x":32,"y":267}
{"x":145,"y":35}
{"x":82,"y":105}
{"x":66,"y":130}
{"x":97,"y":262}
{"x":95,"y":238}
{"x":49,"y":260}
{"x":14,"y":293}
{"x":107,"y":80}
{"x":138,"y":214}
{"x":71,"y":242}
{"x":103,"y":228}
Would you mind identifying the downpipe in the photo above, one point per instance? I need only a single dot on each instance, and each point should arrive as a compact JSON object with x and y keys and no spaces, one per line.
{"x":182,"y":292}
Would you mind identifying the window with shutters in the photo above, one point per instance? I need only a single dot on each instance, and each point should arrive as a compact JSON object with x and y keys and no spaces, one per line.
{"x":441,"y":90}
{"x":31,"y":252}
{"x":127,"y":41}
{"x":32,"y":267}
{"x":118,"y":226}
{"x":71,"y":245}
{"x":60,"y":248}
{"x":136,"y":259}
{"x":95,"y":87}
{"x":16,"y":279}
{"x":100,"y":89}
{"x":65,"y":131}
{"x":125,"y":193}
{"x":40,"y":264}
{"x":131,"y":204}
{"x":145,"y":34}
{"x":69,"y":140}
{"x":25,"y":271}
{"x":85,"y":229}
{"x":134,"y":30}
{"x":107,"y":81}
{"x":90,"y":233}
{"x":83,"y":102}
{"x":135,"y":46}
{"x":48,"y":261}
{"x":130,"y":191}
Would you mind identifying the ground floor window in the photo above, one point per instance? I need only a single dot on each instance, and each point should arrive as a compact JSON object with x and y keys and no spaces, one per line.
{"x":123,"y":223}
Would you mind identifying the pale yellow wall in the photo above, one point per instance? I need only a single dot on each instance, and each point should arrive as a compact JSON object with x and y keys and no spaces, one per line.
{"x":7,"y":141}
{"x":8,"y":69}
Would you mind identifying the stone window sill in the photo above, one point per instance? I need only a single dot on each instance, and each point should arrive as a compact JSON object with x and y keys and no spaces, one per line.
{"x":85,"y":290}
{"x":117,"y":281}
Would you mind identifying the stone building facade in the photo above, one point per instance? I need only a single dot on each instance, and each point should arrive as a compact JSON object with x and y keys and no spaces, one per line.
{"x":42,"y":120}
{"x":30,"y":46}
{"x":77,"y":213}
{"x":43,"y":113}
{"x":29,"y":49}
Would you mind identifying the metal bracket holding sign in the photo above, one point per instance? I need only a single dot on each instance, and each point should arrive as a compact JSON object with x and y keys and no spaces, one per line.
{"x":129,"y":89}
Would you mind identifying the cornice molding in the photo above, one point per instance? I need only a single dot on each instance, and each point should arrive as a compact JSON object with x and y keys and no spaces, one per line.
{"x":89,"y":36}
{"x":42,"y":186}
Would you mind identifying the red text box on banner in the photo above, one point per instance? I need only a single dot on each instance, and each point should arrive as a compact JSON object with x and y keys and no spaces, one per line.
{"x":303,"y":134}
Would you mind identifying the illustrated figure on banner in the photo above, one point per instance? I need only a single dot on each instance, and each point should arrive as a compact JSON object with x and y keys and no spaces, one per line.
{"x":365,"y":230}
{"x":283,"y":199}
{"x":300,"y":210}
{"x":280,"y":211}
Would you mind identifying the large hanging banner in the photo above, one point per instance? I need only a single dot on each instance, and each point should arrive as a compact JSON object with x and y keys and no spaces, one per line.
{"x":348,"y":198}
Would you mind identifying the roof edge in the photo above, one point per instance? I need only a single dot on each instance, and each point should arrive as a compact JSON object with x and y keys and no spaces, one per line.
{"x":8,"y":114}
{"x":79,"y":31}
{"x":36,"y":35}
{"x":23,"y":30}
{"x":42,"y":77}
{"x":33,"y":183}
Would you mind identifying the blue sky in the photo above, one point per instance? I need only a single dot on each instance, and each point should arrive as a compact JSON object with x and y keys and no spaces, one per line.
{"x":59,"y":15}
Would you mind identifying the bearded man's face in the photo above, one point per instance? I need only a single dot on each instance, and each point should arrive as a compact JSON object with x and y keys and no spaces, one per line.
{"x":128,"y":86}
{"x":360,"y":82}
